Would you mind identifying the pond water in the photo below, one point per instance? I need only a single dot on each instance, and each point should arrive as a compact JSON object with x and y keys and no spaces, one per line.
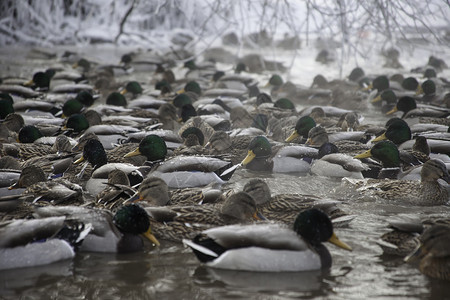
{"x":172,"y":271}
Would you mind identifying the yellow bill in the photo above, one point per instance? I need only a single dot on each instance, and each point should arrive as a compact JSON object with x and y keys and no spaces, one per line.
{"x":366,"y":154}
{"x":376,"y":99}
{"x":369,"y":87}
{"x":395,"y":109}
{"x":335,"y":240}
{"x":29,"y":83}
{"x":292,"y":136}
{"x":133,"y":153}
{"x":380,"y":138}
{"x":250,"y":156}
{"x":81,"y":159}
{"x":149,"y":235}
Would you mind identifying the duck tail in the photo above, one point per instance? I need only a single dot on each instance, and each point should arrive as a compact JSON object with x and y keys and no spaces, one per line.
{"x":206,"y":249}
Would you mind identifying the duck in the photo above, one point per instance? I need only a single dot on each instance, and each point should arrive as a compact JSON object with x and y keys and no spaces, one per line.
{"x":178,"y":222}
{"x":284,"y":208}
{"x":154,"y":191}
{"x":269,"y":247}
{"x":38,"y":242}
{"x":6,"y":105}
{"x":70,"y":107}
{"x":118,"y":233}
{"x":346,"y":142}
{"x":283,"y":159}
{"x":394,"y":161}
{"x":181,"y":171}
{"x":152,"y":146}
{"x":40,"y":153}
{"x":94,"y":153}
{"x":428,"y":192}
{"x":77,"y":123}
{"x":388,"y":99}
{"x":331,"y":163}
{"x":114,"y":155}
{"x":56,"y":191}
{"x":234,"y":148}
{"x":302,"y":127}
{"x":432,"y":253}
{"x":41,"y":80}
{"x":405,"y":231}
{"x":410,"y":109}
{"x":132,"y":87}
{"x":116,"y":192}
{"x":379,"y":83}
{"x":397,"y":131}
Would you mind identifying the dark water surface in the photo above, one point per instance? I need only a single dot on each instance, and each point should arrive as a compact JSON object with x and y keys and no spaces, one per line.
{"x":172,"y":272}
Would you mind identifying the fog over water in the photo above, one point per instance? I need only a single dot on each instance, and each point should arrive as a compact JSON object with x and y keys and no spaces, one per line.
{"x":35,"y":34}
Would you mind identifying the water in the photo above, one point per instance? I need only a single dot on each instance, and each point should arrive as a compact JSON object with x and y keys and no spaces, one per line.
{"x":172,"y":272}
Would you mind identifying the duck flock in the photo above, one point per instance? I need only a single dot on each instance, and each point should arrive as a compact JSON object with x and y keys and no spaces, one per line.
{"x":91,"y":162}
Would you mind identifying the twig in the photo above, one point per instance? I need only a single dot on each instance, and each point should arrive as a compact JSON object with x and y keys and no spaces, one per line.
{"x":124,"y":19}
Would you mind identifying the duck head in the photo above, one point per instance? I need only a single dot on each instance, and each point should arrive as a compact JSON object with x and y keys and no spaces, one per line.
{"x":317,"y":136}
{"x":315,"y":227}
{"x":384,"y":151}
{"x":302,"y":127}
{"x":259,"y":147}
{"x":28,"y":134}
{"x":133,"y":219}
{"x":152,"y":146}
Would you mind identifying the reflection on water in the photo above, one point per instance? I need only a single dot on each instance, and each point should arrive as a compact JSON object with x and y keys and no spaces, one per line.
{"x":173,"y":272}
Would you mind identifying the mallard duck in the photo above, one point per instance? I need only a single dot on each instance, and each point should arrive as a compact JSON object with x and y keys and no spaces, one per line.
{"x":269,"y":247}
{"x":402,"y":238}
{"x":56,"y":191}
{"x":379,"y":83}
{"x":285,"y":159}
{"x":14,"y":122}
{"x":120,"y":232}
{"x":28,"y":134}
{"x":410,"y":109}
{"x":331,"y":163}
{"x":132,"y":87}
{"x":405,"y":231}
{"x":153,"y":147}
{"x":94,"y":153}
{"x":178,"y":222}
{"x":114,"y":155}
{"x":426,"y":192}
{"x":302,"y":127}
{"x":234,"y":148}
{"x":116,"y":99}
{"x":356,"y":74}
{"x":154,"y":191}
{"x":397,"y":131}
{"x":320,"y":117}
{"x":285,"y":207}
{"x":77,"y":123}
{"x":30,"y":243}
{"x":41,"y":80}
{"x":197,"y":122}
{"x":181,"y":171}
{"x":70,"y":107}
{"x":6,"y":107}
{"x":387,"y":98}
{"x":116,"y":192}
{"x":192,"y":171}
{"x":432,"y":252}
{"x":346,"y":142}
{"x":393,"y":160}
